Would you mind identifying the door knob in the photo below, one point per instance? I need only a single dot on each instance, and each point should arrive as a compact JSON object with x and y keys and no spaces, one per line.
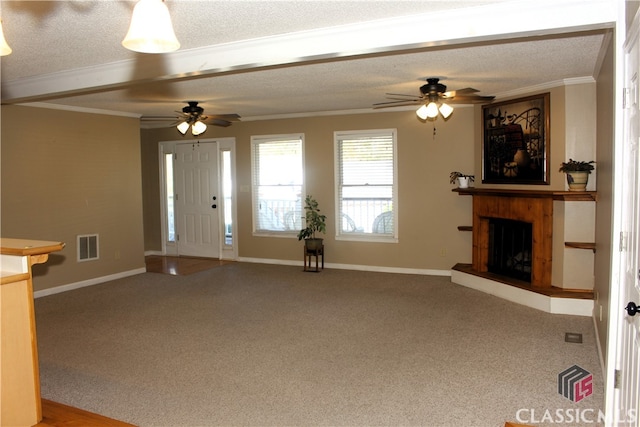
{"x":214,"y":198}
{"x":214,"y":206}
{"x":632,"y":308}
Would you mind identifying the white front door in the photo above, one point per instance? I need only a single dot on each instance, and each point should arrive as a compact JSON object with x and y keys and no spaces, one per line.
{"x":627,"y":398}
{"x":197,"y":198}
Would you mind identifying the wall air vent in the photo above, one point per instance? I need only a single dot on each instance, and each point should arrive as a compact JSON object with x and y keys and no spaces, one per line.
{"x":87,"y":247}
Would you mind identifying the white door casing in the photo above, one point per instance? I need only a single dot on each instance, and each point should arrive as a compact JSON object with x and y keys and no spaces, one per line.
{"x":625,"y":329}
{"x":197,"y":199}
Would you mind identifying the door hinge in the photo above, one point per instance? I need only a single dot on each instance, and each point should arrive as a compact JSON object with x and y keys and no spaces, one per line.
{"x":617,"y":377}
{"x":176,"y":197}
{"x":177,"y":237}
{"x":625,"y":96}
{"x":175,"y":156}
{"x":621,"y":242}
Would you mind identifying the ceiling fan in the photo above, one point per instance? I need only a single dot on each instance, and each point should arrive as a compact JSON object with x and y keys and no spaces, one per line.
{"x":192,"y":116}
{"x":434,"y":98}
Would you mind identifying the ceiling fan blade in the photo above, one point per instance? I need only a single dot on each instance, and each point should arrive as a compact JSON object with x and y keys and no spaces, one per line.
{"x":402,"y":95}
{"x":228,"y":117}
{"x":223,"y":120}
{"x":157,"y":118}
{"x":463,"y":91}
{"x":468,"y":99}
{"x":218,"y":122}
{"x":396,"y":103}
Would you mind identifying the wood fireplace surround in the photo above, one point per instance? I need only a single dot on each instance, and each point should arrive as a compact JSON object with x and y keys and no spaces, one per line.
{"x":535,"y":207}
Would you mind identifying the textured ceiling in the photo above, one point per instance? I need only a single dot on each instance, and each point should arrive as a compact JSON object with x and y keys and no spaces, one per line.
{"x":280,"y":58}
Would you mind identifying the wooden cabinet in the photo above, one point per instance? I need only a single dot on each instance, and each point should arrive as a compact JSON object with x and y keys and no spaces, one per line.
{"x":20,"y":381}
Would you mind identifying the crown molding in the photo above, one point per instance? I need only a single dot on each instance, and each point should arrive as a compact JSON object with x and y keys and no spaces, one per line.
{"x":544,"y":87}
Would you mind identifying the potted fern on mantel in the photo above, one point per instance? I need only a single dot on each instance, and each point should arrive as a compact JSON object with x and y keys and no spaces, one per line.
{"x":462,"y":179}
{"x":315,"y":223}
{"x":577,"y":173}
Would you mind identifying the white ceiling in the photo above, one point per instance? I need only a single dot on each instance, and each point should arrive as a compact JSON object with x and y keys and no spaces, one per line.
{"x":264,"y":59}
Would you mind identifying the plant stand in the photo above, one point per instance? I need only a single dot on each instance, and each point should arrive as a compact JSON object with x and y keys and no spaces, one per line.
{"x":317,"y":253}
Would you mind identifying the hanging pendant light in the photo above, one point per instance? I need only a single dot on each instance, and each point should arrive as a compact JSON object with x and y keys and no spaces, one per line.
{"x":151,"y":30}
{"x":4,"y":46}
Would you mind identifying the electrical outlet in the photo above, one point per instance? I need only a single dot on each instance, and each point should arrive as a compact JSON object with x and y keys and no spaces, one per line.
{"x":117,"y":255}
{"x":443,"y":252}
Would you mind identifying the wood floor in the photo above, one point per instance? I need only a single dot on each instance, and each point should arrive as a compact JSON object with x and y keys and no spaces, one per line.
{"x":58,"y":415}
{"x":181,"y":265}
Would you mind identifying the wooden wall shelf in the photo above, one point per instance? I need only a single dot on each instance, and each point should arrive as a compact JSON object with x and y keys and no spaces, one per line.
{"x":581,"y":245}
{"x":567,"y":196}
{"x":465,"y":228}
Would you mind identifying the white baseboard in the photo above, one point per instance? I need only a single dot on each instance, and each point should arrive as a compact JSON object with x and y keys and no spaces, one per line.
{"x":573,"y":306}
{"x":376,"y":268}
{"x":600,"y":353}
{"x":149,"y":253}
{"x":85,"y":283}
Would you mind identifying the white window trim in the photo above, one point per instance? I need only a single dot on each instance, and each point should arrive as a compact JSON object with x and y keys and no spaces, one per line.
{"x":256,"y":139}
{"x":365,"y":237}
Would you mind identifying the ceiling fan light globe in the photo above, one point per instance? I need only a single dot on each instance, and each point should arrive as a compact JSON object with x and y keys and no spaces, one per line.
{"x":183,"y":127}
{"x":432,"y":110}
{"x":422,"y":112}
{"x":151,"y":30}
{"x":198,"y":128}
{"x":446,"y":110}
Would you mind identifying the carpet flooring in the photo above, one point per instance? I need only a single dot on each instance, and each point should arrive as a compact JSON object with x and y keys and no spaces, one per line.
{"x":265,"y":345}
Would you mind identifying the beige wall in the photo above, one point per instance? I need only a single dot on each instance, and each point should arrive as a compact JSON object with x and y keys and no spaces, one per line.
{"x":429,"y":212}
{"x":67,"y":173}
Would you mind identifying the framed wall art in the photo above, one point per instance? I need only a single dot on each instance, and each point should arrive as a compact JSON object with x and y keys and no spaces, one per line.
{"x":515,"y":147}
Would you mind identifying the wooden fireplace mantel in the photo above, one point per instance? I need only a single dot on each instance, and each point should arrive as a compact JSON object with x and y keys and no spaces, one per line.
{"x":567,"y":196}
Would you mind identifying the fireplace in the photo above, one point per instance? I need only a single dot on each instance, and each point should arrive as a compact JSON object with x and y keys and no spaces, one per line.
{"x":517,"y":227}
{"x":526,"y":248}
{"x":510,"y":244}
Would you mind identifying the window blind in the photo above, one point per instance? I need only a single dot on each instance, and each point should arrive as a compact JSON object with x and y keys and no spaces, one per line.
{"x":366,"y":182}
{"x":277,"y":182}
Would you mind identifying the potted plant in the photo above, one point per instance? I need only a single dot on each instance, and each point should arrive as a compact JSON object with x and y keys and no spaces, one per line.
{"x":315,"y":222}
{"x":462,"y":179}
{"x":577,"y":173}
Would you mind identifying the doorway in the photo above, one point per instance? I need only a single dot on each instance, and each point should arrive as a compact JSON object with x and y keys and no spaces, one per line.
{"x":198,"y":200}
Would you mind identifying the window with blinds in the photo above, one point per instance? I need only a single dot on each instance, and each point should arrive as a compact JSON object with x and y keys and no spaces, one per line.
{"x":366,"y":185}
{"x":278,"y":184}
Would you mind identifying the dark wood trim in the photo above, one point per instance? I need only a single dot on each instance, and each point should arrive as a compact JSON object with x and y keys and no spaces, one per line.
{"x":567,"y":196}
{"x":465,"y":228}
